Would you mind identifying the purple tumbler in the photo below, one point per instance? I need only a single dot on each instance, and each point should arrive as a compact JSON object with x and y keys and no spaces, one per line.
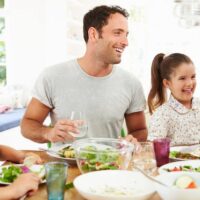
{"x":161,"y":148}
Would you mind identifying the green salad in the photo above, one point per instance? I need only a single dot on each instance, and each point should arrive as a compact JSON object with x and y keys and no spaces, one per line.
{"x":9,"y":174}
{"x":182,"y":155}
{"x":92,"y":159}
{"x":187,"y":168}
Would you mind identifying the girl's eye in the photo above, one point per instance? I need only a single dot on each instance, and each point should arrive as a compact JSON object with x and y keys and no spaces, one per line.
{"x":182,"y":78}
{"x":193,"y":77}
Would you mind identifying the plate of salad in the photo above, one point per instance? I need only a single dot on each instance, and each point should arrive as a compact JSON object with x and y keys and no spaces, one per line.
{"x":63,"y":151}
{"x":179,"y":153}
{"x":187,"y":165}
{"x":8,"y":173}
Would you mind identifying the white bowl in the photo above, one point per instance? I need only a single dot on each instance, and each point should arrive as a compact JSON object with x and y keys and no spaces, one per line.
{"x":114,"y":185}
{"x":174,"y":193}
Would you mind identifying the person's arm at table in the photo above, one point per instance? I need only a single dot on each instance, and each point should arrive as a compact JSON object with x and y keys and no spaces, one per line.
{"x":25,"y":183}
{"x":17,"y":156}
{"x":136,"y":126}
{"x":32,"y":125}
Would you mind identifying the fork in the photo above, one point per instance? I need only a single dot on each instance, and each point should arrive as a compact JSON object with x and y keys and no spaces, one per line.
{"x":150,"y":177}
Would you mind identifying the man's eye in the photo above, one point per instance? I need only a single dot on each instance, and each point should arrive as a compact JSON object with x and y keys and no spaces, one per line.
{"x":117,"y":33}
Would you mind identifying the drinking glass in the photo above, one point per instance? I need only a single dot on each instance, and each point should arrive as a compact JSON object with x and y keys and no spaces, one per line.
{"x":56,"y":176}
{"x":161,"y":148}
{"x":144,"y":158}
{"x":81,"y":122}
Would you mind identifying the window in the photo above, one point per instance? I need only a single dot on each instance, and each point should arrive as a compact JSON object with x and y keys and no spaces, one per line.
{"x":2,"y":46}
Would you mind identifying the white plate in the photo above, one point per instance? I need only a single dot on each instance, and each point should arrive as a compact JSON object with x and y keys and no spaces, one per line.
{"x":196,"y":151}
{"x":193,"y":163}
{"x":34,"y":168}
{"x":114,"y":185}
{"x":56,"y":149}
{"x":184,"y":149}
{"x":1,"y":162}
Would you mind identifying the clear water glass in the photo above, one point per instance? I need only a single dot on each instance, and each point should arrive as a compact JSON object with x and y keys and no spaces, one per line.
{"x":144,"y":158}
{"x":80,"y":119}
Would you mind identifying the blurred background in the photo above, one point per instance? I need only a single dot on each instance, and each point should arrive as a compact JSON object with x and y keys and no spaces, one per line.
{"x":37,"y":33}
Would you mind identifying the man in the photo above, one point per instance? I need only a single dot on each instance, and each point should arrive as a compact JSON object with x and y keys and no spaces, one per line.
{"x":106,"y":93}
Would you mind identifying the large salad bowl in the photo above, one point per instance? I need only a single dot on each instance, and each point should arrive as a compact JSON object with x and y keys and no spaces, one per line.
{"x":93,"y":154}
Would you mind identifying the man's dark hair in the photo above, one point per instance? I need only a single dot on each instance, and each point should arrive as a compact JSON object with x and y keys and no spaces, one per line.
{"x":98,"y":17}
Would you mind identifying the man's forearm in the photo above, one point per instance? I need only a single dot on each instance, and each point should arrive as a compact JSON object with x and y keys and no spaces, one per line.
{"x":140,"y":135}
{"x":33,"y":130}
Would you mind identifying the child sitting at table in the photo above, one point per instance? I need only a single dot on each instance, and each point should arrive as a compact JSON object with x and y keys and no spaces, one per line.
{"x":25,"y":182}
{"x":179,"y":117}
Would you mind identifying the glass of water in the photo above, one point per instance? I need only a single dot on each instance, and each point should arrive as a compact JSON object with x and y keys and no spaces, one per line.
{"x":144,"y":158}
{"x":81,"y":122}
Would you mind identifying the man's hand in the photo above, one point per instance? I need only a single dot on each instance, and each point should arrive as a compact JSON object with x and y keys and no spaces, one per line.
{"x":131,"y":139}
{"x":60,"y":132}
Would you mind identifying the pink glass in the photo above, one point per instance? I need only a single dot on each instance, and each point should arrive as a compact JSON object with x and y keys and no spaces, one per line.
{"x":161,"y":148}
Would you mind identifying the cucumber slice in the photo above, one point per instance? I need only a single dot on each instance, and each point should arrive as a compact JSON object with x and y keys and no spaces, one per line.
{"x":183,"y":182}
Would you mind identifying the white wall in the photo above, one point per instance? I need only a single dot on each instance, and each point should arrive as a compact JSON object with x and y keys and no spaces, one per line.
{"x":44,"y":32}
{"x":40,"y":33}
{"x":25,"y":33}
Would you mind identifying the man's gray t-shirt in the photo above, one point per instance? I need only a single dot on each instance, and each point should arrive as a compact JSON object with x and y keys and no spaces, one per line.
{"x":105,"y":100}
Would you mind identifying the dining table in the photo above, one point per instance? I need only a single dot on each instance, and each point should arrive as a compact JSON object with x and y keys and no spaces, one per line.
{"x":73,"y":172}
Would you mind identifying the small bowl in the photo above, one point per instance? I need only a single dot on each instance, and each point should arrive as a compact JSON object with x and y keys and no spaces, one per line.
{"x":174,"y":193}
{"x":93,"y":154}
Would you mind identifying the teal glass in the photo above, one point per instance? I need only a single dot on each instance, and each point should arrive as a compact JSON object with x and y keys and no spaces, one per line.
{"x":56,"y":177}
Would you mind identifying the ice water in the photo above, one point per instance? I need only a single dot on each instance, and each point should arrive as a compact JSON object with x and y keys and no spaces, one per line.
{"x":56,"y":175}
{"x":82,"y":131}
{"x":56,"y":196}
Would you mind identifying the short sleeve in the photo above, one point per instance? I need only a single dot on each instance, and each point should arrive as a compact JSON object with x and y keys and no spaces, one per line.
{"x":43,"y":89}
{"x":138,"y":102}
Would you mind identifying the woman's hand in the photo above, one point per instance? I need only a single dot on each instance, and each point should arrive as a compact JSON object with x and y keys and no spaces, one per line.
{"x":25,"y":183}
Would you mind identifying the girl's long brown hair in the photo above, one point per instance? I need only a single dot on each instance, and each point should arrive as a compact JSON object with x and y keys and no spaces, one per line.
{"x":162,"y":67}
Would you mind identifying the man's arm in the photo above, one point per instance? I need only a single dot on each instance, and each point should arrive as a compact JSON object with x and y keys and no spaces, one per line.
{"x":136,"y":125}
{"x":32,"y":125}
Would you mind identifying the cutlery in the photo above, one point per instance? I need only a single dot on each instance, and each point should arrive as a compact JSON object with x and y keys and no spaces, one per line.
{"x":150,"y":177}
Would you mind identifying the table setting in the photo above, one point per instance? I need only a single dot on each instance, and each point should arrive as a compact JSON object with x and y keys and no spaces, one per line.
{"x":94,"y":159}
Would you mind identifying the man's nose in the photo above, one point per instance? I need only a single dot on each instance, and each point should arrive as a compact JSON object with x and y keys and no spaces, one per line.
{"x":125,"y":41}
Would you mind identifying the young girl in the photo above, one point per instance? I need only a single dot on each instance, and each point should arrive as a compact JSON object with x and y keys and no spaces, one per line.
{"x":179,"y":117}
{"x":24,"y":183}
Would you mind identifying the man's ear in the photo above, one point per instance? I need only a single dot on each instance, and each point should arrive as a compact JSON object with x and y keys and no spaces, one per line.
{"x":92,"y":34}
{"x":165,"y":83}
